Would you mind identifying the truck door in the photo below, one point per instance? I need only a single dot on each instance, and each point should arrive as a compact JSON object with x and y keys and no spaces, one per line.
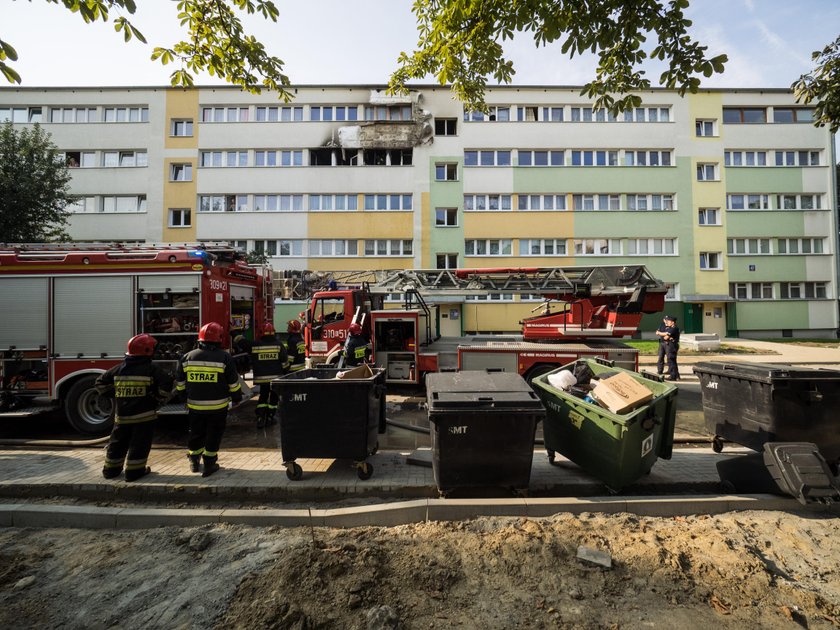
{"x":329,"y":323}
{"x":242,"y":311}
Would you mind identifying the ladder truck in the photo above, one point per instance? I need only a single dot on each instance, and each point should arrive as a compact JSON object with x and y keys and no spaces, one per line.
{"x":67,"y":311}
{"x":584,"y":311}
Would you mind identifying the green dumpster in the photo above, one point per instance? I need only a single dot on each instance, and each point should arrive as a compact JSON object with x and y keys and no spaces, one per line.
{"x":617,"y":449}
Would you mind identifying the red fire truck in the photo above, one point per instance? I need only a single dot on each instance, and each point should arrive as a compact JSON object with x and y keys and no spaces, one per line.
{"x":67,"y":311}
{"x":584,"y":310}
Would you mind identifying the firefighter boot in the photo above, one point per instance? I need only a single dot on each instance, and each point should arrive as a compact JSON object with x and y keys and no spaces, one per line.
{"x":261,"y":417}
{"x":210,"y":466}
{"x":270,"y":418}
{"x":195,"y":463}
{"x":135,"y":474}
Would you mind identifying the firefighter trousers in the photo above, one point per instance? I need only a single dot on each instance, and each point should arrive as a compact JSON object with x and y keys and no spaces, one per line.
{"x":205,"y":434}
{"x":267,"y":402}
{"x":129,"y":446}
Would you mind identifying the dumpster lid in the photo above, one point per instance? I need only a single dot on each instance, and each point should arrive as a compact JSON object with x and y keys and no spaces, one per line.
{"x":478,"y":389}
{"x":764,"y":371}
{"x":799,"y":469}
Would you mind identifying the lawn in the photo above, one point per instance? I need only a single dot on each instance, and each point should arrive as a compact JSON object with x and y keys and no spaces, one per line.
{"x":651,"y":348}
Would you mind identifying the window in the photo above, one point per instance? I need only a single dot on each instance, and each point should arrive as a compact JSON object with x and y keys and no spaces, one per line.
{"x":277,"y":203}
{"x":446,"y":261}
{"x":182,"y":128}
{"x":541,"y":158}
{"x":388,"y":247}
{"x":751,"y":290}
{"x":486,"y":158}
{"x":797,"y":158}
{"x":654,"y":203}
{"x":339,"y":247}
{"x":268,"y":114}
{"x":801,"y":246}
{"x":126,"y":114}
{"x":83,"y":205}
{"x":651,"y":246}
{"x":744,"y":115}
{"x":705,"y":128}
{"x":746,"y":246}
{"x":487,"y":202}
{"x":180,"y":173}
{"x":597,"y":247}
{"x":745,"y":158}
{"x":386,"y":201}
{"x":494,"y":113}
{"x":446,"y":172}
{"x":224,"y":114}
{"x":276,"y":247}
{"x":81,"y":159}
{"x":596,"y":202}
{"x":542,"y":202}
{"x":800,"y":290}
{"x":552,"y":114}
{"x":542,"y":247}
{"x":708,"y":216}
{"x":228,"y":159}
{"x":223,"y":203}
{"x":387,"y":157}
{"x":291,"y":114}
{"x":67,"y":115}
{"x":711,"y":261}
{"x":673,"y":294}
{"x":388,"y":112}
{"x":329,"y":113}
{"x":527,"y":113}
{"x":747,"y":202}
{"x":124,"y":203}
{"x":706,"y":172}
{"x":647,"y":158}
{"x":488,"y":247}
{"x":179,"y":217}
{"x":333,"y":202}
{"x":446,"y":126}
{"x":793,"y":115}
{"x":446,"y":217}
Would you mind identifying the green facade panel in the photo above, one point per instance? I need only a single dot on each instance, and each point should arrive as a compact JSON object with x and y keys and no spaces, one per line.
{"x":763,"y":180}
{"x":772,"y":315}
{"x":446,"y":194}
{"x":766,"y":268}
{"x":746,"y":223}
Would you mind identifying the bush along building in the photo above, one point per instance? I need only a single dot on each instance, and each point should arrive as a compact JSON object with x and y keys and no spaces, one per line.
{"x":726,"y":195}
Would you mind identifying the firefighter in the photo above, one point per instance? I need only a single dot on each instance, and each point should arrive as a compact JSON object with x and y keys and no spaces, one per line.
{"x":208,"y":381}
{"x":269,"y":361}
{"x":357,"y":350}
{"x":296,"y":346}
{"x":139,"y":388}
{"x":241,"y":350}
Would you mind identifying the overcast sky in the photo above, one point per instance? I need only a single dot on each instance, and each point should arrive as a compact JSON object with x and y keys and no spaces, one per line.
{"x":769,"y":43}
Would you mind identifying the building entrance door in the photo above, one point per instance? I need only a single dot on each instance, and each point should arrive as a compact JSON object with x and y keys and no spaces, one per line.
{"x":714,"y":318}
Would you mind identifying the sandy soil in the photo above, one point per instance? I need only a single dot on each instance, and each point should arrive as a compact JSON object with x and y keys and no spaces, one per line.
{"x":737,"y":570}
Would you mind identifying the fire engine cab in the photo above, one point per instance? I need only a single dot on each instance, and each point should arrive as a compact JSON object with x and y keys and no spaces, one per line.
{"x":583,"y":310}
{"x":67,"y":312}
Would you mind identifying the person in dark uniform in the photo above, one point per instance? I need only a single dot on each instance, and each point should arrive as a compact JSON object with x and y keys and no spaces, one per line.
{"x":208,"y":381}
{"x":357,"y":349}
{"x":296,"y":346}
{"x":241,"y":351}
{"x":269,"y":361}
{"x":669,"y":345}
{"x":139,"y":387}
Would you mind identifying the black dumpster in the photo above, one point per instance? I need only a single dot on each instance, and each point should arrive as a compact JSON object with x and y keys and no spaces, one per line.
{"x":483,"y":427}
{"x":322,"y":416}
{"x":756,"y":403}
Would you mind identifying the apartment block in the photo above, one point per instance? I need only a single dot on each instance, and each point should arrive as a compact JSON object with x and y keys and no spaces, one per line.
{"x":726,"y":195}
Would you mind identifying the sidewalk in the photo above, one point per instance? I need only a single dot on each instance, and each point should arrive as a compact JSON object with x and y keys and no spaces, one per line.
{"x":786,"y":353}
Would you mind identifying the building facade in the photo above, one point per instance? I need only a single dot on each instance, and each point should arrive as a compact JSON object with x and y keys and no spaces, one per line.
{"x":726,"y":195}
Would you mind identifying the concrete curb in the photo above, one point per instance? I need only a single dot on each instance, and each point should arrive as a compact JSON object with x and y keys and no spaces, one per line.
{"x":388,"y":515}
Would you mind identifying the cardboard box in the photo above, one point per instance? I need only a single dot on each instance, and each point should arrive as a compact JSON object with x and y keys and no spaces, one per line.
{"x":621,"y":393}
{"x":361,"y":371}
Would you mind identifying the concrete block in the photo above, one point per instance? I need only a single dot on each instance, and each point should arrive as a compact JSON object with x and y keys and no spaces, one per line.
{"x":64,"y":516}
{"x":762,"y":502}
{"x":677,"y":505}
{"x":272,"y":518}
{"x":6,"y":512}
{"x":133,"y":518}
{"x":379,"y":515}
{"x":461,"y":509}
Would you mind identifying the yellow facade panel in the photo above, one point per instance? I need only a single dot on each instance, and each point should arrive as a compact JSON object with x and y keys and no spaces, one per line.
{"x":396,"y":225}
{"x":518,"y":224}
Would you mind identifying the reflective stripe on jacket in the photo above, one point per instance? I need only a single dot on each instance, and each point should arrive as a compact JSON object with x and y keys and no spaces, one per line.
{"x":208,"y":375}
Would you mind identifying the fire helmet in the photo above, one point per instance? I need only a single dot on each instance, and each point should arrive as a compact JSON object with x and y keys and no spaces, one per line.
{"x":268,"y":329}
{"x":355,"y":328}
{"x":211,"y":333}
{"x":293,"y":326}
{"x":141,"y":346}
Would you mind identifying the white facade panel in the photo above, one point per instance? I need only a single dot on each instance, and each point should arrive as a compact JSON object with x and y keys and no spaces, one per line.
{"x":134,"y":226}
{"x":250,"y":225}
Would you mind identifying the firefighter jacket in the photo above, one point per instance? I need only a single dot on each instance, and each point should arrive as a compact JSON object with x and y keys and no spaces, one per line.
{"x":139,"y":388}
{"x":357,"y":350}
{"x":297,"y":351}
{"x":209,"y":378}
{"x":269,"y":359}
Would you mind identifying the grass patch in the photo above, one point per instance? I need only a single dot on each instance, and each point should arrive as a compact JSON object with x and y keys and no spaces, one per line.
{"x":813,"y":343}
{"x":651,"y":348}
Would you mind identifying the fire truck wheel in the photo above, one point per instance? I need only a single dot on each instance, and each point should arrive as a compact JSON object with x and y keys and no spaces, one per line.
{"x":538,"y":370}
{"x":86,"y":410}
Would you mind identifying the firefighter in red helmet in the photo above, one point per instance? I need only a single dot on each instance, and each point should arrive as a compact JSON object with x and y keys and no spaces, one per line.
{"x":269,"y":361}
{"x":295,"y":345}
{"x":357,"y":349}
{"x":208,"y":380}
{"x":139,"y":387}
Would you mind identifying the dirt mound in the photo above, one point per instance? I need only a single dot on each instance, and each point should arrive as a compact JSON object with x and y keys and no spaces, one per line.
{"x":768,"y":569}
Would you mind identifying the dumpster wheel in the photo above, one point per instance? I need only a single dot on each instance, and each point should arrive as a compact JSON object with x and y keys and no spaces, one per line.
{"x":375,"y":449}
{"x":293,"y":471}
{"x":364,"y":470}
{"x":717,"y":444}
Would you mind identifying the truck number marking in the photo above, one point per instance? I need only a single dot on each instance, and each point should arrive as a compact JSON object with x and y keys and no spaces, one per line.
{"x":711,"y":386}
{"x":462,"y":430}
{"x":332,"y":333}
{"x":299,"y":397}
{"x":218,"y":285}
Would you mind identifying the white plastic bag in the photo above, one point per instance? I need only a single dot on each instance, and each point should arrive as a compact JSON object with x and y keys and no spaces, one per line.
{"x":562,"y":380}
